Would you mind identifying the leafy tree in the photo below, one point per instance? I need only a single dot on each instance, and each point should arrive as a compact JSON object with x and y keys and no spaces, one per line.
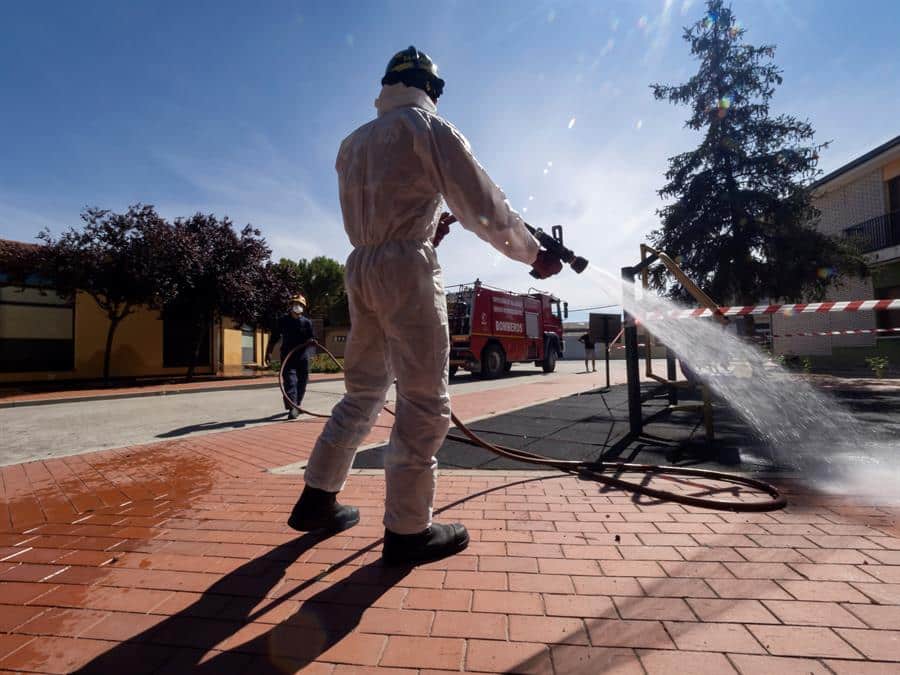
{"x":18,"y":261}
{"x":279,"y":282}
{"x":113,"y":258}
{"x":211,"y":272}
{"x":742,"y":222}
{"x":322,"y":282}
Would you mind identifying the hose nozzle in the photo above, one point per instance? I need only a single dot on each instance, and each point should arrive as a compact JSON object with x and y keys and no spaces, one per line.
{"x":578,"y":264}
{"x":553,"y":243}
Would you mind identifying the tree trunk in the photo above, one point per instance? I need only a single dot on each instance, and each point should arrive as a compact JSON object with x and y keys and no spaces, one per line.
{"x":195,"y":351}
{"x":114,"y":322}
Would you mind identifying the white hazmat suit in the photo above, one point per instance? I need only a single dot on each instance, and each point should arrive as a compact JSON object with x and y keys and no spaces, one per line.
{"x":393,"y":173}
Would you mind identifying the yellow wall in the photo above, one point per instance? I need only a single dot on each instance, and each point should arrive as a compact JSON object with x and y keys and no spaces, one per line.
{"x":137,"y":344}
{"x":137,"y":347}
{"x":231,"y":349}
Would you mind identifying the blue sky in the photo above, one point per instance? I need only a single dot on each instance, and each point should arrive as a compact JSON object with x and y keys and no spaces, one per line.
{"x":238,"y":108}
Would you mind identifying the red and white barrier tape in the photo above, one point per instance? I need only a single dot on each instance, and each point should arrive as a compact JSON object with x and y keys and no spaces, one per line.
{"x":817,"y":333}
{"x":857,"y":331}
{"x":796,"y":308}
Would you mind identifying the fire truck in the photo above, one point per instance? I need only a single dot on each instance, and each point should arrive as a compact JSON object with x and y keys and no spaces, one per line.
{"x":490,"y":329}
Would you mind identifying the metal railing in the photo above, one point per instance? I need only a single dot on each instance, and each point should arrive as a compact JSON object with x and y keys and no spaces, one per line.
{"x":876,"y":233}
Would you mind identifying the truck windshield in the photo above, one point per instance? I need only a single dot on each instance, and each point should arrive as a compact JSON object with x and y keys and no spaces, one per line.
{"x":459,"y":310}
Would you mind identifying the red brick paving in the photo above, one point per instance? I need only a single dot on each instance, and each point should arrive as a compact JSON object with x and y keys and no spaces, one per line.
{"x":175,"y":558}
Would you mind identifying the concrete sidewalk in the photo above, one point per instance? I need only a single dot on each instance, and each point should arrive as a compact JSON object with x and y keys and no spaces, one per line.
{"x":174,"y":558}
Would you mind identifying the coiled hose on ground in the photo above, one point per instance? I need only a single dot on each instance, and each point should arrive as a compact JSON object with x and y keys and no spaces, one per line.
{"x":598,"y":471}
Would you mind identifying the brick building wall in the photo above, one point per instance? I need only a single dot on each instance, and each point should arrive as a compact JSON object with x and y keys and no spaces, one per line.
{"x":841,"y":208}
{"x":851,"y":204}
{"x":821,"y":345}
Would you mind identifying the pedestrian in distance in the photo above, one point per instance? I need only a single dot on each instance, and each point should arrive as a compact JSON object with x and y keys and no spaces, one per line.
{"x":589,"y":344}
{"x":393,"y":174}
{"x":292,"y":330}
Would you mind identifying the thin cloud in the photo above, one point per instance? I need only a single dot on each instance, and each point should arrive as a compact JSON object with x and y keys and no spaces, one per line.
{"x":294,"y":222}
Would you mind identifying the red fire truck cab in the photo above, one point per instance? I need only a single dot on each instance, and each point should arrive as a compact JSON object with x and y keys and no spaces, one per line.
{"x":490,"y":329}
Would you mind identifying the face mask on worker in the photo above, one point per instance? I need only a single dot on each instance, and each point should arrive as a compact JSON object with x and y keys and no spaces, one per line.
{"x":297,"y":309}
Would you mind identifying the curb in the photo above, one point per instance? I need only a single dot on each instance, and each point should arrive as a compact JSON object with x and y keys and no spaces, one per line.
{"x":145,"y":394}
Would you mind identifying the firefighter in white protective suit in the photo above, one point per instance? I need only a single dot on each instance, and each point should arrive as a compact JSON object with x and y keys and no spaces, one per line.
{"x":393,"y":174}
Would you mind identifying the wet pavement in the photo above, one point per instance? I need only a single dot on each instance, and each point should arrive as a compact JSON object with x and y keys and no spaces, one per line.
{"x":174,"y":558}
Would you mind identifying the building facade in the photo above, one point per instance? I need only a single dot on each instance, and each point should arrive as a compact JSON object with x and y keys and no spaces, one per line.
{"x":860,"y":200}
{"x":45,"y":337}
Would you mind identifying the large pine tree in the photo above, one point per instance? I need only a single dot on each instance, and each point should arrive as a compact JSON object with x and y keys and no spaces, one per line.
{"x":742,"y":223}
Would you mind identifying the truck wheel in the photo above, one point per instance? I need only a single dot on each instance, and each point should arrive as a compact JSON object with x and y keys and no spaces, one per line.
{"x":549,"y":362}
{"x":453,"y":370}
{"x":493,"y":362}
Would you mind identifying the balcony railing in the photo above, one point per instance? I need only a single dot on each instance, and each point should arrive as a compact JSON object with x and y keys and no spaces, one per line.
{"x":876,"y":233}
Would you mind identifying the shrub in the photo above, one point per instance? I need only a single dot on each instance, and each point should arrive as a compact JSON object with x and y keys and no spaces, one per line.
{"x":878,"y":365}
{"x":322,"y":363}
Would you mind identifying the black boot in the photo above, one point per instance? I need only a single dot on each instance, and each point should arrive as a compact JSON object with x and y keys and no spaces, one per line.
{"x":319,"y":510}
{"x":438,"y":541}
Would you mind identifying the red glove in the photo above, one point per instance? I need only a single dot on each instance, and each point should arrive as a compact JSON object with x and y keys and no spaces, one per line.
{"x":545,"y":265}
{"x":443,"y":227}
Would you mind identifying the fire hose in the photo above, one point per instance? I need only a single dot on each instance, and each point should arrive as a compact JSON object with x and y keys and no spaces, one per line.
{"x":598,"y":471}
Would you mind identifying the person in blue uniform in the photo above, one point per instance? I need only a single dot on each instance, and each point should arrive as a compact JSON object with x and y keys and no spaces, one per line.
{"x":293,"y":329}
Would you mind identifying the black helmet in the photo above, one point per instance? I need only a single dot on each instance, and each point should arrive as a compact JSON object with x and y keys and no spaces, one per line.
{"x":414,"y":69}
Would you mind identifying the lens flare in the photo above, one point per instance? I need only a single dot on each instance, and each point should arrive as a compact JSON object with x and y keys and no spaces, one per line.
{"x":722,"y":106}
{"x":571,"y":122}
{"x":642,"y":22}
{"x":826,"y":273}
